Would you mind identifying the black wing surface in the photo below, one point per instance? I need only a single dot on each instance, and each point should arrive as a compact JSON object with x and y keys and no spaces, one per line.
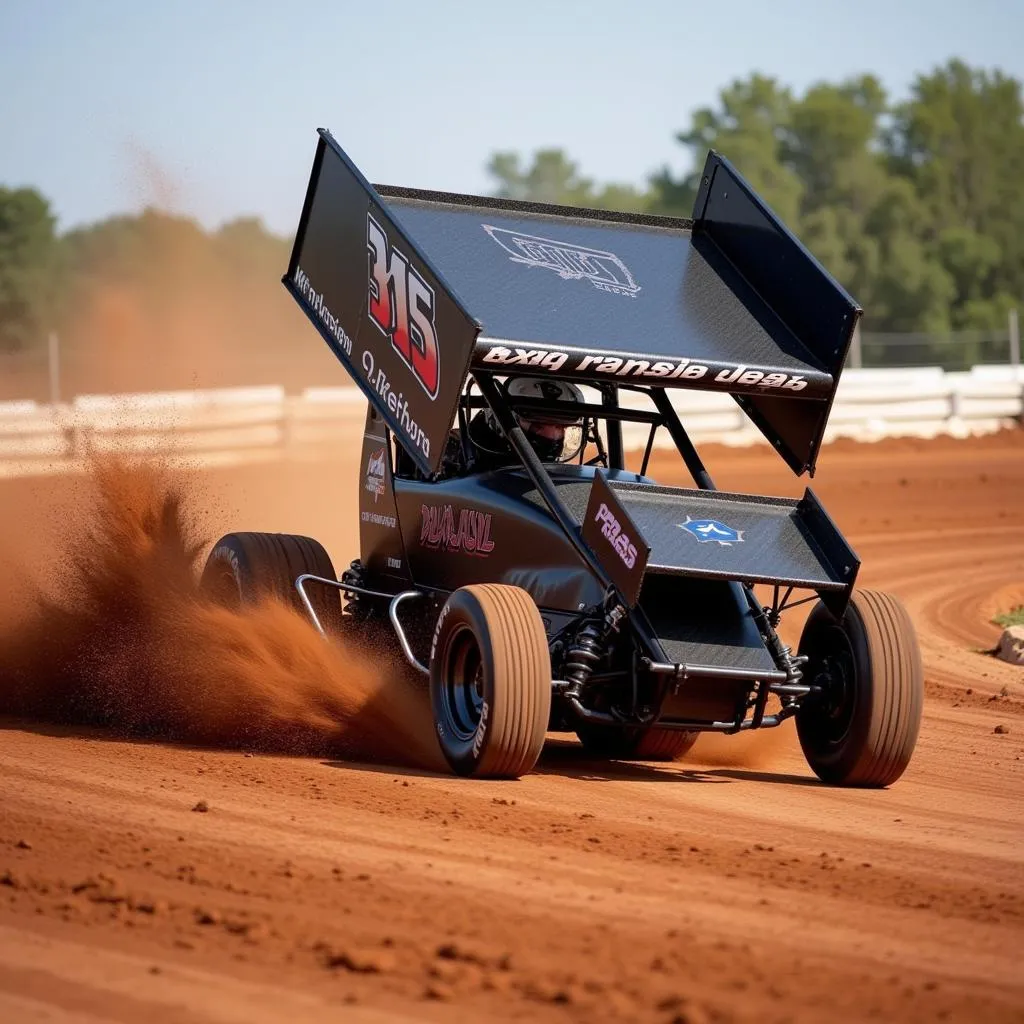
{"x":729,"y":300}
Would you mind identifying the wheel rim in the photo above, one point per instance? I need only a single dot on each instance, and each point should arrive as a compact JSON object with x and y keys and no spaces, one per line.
{"x":832,"y":667}
{"x":462,"y":687}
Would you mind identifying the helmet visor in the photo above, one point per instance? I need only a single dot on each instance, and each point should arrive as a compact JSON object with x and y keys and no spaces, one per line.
{"x":554,"y":442}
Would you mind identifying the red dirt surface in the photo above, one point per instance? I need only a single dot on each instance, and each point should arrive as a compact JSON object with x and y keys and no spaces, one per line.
{"x":201,"y":877}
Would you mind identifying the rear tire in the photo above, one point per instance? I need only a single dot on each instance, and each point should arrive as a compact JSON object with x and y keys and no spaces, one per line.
{"x":862,"y":730}
{"x":652,"y":744}
{"x":243,"y":568}
{"x":490,"y":681}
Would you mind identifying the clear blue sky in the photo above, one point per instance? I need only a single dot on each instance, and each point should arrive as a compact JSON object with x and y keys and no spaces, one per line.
{"x":210,"y":108}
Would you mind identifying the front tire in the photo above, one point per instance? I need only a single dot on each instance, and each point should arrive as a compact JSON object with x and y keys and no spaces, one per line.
{"x":862,"y":730}
{"x":244,"y":568}
{"x":490,"y":681}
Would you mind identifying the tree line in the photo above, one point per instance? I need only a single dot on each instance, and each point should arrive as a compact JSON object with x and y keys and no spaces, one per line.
{"x":915,"y":205}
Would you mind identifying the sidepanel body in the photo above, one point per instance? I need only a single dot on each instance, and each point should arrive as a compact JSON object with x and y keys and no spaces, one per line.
{"x":380,"y":539}
{"x":491,"y":528}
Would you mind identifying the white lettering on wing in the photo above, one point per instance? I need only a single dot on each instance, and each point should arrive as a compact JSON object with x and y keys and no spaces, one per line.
{"x":604,"y":270}
{"x":315,"y":301}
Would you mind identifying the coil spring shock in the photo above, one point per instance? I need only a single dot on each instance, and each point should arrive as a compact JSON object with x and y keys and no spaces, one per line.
{"x":583,"y":656}
{"x":590,"y":645}
{"x":768,"y":619}
{"x":795,"y":673}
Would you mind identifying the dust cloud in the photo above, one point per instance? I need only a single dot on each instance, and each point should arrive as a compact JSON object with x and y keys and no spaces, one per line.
{"x":105,"y":625}
{"x":101,"y":619}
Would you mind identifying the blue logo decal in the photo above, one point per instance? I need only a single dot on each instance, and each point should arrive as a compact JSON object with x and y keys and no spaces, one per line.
{"x":711,"y":529}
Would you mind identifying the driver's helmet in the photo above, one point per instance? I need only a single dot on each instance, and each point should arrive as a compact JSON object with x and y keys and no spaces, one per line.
{"x":555,"y":436}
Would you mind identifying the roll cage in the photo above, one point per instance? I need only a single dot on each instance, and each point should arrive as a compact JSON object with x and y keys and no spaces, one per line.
{"x":605,"y":451}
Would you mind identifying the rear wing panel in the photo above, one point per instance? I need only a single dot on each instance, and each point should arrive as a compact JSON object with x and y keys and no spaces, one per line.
{"x":380,"y":305}
{"x":730,"y":218}
{"x":728,"y":301}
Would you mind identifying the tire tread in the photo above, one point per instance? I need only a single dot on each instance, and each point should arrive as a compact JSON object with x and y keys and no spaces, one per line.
{"x":878,"y":626}
{"x":275,"y":560}
{"x":522,"y":669}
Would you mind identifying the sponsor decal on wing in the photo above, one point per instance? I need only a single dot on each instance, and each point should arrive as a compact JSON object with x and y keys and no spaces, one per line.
{"x":706,"y":530}
{"x":653,"y":370}
{"x":396,"y":402}
{"x":615,"y":539}
{"x":612,"y":530}
{"x":319,"y":307}
{"x":604,"y":270}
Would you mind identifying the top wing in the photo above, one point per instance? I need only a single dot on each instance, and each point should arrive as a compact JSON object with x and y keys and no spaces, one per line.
{"x":597,"y":299}
{"x":400,"y":282}
{"x":728,"y":301}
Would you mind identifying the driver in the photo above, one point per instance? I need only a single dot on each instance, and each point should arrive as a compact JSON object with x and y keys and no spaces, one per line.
{"x":555,"y":436}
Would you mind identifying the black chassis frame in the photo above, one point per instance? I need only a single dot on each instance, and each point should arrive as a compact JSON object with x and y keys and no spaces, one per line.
{"x":642,"y":683}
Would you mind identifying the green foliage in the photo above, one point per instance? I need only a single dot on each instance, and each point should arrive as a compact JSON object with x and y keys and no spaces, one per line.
{"x":28,"y":268}
{"x":154,"y":300}
{"x":960,"y":140}
{"x":250,"y":250}
{"x":916,"y":207}
{"x":553,"y":178}
{"x":750,"y":128}
{"x":1015,"y":617}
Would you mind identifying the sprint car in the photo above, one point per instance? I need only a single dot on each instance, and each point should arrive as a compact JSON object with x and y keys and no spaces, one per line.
{"x":580,"y":594}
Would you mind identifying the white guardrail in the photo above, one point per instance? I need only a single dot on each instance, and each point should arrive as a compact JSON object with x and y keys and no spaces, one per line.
{"x":237,"y":425}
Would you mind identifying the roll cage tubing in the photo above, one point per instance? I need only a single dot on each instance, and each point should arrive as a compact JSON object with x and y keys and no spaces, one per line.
{"x":514,"y":434}
{"x":614,"y":415}
{"x":499,"y":404}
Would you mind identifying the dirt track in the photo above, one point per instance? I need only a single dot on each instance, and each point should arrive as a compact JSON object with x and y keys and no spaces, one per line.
{"x":732,"y":886}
